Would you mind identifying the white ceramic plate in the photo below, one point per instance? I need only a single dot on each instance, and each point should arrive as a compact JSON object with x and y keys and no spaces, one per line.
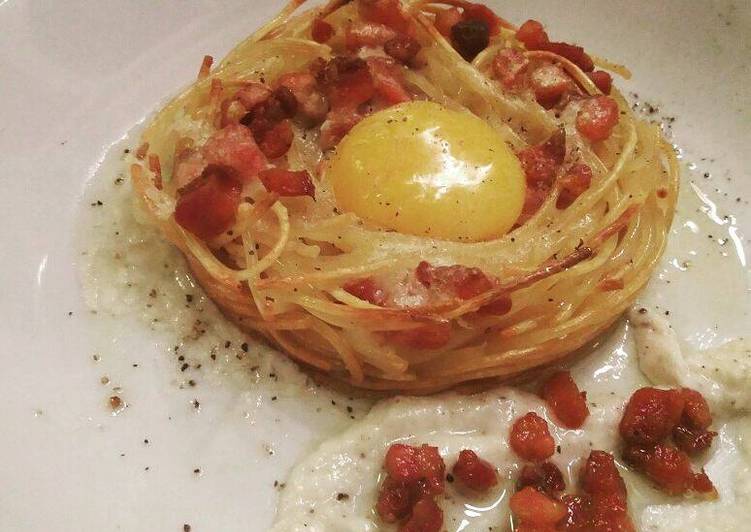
{"x":75,"y":77}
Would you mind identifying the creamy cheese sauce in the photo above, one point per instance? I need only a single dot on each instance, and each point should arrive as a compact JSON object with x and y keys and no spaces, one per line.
{"x":351,"y":463}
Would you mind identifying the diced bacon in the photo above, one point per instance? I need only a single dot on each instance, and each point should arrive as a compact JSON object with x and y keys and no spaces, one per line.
{"x":311,"y":103}
{"x":597,"y":118}
{"x":426,"y":517}
{"x":573,"y":53}
{"x":484,"y":14}
{"x":691,"y":434}
{"x":576,"y":181}
{"x":650,"y":415}
{"x":603,"y":506}
{"x":395,"y":500}
{"x":692,"y":440}
{"x":368,"y":34}
{"x":702,"y":484}
{"x":321,"y":30}
{"x":603,"y":80}
{"x":286,"y":100}
{"x":337,"y":125}
{"x":461,"y":281}
{"x":431,"y":336}
{"x":545,"y":477}
{"x":298,"y":83}
{"x":386,"y":12}
{"x":541,"y":162}
{"x":234,"y":147}
{"x":666,"y":466}
{"x":508,"y":66}
{"x":474,"y":472}
{"x":549,"y":82}
{"x":414,"y":476}
{"x":608,"y":512}
{"x":189,"y":165}
{"x":696,"y":413}
{"x":366,"y":289}
{"x":287,"y":182}
{"x":421,"y":465}
{"x":532,"y":34}
{"x":252,"y":94}
{"x":403,"y":48}
{"x":600,"y":475}
{"x":578,"y":508}
{"x":531,"y":439}
{"x":348,"y":82}
{"x":565,"y":400}
{"x":447,"y":19}
{"x":534,"y":508}
{"x":209,"y":207}
{"x":387,"y":80}
{"x":276,"y":141}
{"x":280,"y":105}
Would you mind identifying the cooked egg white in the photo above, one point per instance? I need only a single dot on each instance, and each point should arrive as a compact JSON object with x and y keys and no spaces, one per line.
{"x":422,"y":169}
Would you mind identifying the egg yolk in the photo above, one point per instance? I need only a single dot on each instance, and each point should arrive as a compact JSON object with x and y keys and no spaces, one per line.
{"x":422,"y":169}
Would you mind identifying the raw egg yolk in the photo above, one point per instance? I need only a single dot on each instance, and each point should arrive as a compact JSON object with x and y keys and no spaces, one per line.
{"x":422,"y":169}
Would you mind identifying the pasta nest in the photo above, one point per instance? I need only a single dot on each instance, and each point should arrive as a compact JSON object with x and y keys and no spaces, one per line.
{"x":280,"y":270}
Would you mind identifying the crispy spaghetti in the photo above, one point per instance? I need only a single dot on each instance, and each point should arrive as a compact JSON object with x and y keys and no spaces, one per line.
{"x":281,"y":266}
